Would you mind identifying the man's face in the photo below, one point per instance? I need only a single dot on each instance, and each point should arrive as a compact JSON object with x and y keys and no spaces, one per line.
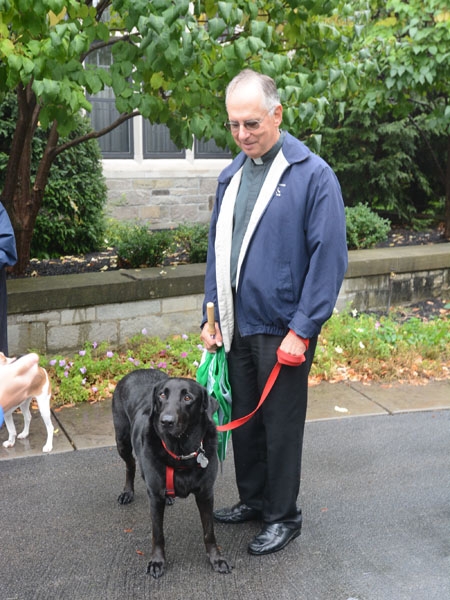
{"x":245,"y":103}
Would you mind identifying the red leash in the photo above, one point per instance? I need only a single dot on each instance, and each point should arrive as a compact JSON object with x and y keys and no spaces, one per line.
{"x":283,"y":358}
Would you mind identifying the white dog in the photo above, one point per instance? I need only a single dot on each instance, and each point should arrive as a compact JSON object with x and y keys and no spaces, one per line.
{"x":41,"y":390}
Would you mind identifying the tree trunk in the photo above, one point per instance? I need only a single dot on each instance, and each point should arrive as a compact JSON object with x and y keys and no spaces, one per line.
{"x":22,"y":199}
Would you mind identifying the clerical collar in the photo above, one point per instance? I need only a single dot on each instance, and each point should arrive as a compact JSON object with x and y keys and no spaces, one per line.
{"x":270,"y":155}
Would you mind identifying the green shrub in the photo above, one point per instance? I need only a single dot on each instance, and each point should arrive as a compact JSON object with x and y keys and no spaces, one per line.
{"x":364,"y":227}
{"x":137,"y":246}
{"x":194,"y":240}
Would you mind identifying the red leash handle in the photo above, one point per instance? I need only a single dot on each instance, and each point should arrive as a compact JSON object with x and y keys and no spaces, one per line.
{"x":283,"y":358}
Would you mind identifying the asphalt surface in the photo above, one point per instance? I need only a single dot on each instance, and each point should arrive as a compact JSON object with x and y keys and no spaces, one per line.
{"x":375,"y":497}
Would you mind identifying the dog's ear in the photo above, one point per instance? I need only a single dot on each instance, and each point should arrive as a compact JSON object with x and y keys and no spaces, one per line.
{"x":209,"y":404}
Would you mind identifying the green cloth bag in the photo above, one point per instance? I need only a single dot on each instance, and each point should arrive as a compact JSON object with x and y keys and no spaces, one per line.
{"x":212,"y":373}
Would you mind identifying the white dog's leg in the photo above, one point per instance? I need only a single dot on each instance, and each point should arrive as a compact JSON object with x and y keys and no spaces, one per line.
{"x":43,"y":401}
{"x":25,"y":408}
{"x":9,"y":422}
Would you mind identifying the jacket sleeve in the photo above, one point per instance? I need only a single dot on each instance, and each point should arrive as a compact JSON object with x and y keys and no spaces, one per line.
{"x":328,"y":256}
{"x":8,"y":253}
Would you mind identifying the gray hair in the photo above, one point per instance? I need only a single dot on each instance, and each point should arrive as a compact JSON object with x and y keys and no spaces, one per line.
{"x":271,"y":98}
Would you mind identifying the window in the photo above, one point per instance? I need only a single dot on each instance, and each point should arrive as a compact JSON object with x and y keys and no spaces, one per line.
{"x":118,"y":143}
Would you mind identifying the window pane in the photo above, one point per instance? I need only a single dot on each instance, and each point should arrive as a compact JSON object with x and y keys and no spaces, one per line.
{"x":210,"y":150}
{"x":157,"y":142}
{"x":118,"y":142}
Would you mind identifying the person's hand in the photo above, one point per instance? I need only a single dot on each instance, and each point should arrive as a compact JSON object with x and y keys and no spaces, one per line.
{"x":211,"y":341}
{"x":292,"y":344}
{"x":16,"y":379}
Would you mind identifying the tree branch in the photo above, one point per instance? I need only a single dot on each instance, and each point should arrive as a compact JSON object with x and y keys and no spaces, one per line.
{"x":92,"y":135}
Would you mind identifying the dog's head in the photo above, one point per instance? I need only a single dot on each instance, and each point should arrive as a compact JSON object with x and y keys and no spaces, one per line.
{"x":180,"y":404}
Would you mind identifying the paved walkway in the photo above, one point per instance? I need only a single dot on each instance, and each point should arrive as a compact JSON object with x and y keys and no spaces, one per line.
{"x":375,"y":495}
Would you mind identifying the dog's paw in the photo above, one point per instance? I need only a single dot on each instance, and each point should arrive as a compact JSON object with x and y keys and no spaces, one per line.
{"x":125,"y":497}
{"x":23,"y":435}
{"x":155,"y":568}
{"x":8,"y":444}
{"x":47,"y":448}
{"x":221,"y":565}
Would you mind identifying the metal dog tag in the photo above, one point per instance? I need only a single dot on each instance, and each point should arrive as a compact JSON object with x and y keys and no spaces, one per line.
{"x":202,"y":460}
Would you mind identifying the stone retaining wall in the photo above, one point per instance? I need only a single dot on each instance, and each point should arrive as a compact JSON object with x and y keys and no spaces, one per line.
{"x":59,"y":314}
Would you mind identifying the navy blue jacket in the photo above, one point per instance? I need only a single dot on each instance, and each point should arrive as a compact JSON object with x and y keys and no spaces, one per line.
{"x":297,"y":256}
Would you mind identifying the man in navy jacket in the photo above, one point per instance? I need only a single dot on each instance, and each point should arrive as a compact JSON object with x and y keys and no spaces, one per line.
{"x":8,"y":257}
{"x":277,"y":256}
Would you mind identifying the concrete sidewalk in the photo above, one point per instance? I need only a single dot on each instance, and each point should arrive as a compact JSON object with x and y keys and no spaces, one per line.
{"x":90,"y":426}
{"x":375,"y":498}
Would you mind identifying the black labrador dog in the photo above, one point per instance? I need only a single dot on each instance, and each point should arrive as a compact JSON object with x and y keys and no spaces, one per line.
{"x":167,"y":423}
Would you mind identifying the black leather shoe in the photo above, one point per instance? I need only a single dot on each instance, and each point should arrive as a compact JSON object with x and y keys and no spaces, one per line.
{"x":239,"y":513}
{"x":273,"y":537}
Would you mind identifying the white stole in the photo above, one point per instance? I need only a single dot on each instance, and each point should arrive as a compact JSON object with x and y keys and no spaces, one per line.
{"x":224,"y":233}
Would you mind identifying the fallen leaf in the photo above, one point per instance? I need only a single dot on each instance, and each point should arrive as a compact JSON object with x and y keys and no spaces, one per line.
{"x":341,"y":409}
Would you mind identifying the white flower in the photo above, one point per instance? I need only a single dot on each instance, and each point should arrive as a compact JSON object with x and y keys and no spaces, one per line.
{"x":361,"y":345}
{"x":339,"y":350}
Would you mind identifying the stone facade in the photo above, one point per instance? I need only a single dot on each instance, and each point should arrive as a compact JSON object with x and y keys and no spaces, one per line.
{"x":162,"y":195}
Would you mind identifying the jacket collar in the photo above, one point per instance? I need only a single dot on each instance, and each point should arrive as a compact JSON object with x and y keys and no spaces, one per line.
{"x":294,"y":151}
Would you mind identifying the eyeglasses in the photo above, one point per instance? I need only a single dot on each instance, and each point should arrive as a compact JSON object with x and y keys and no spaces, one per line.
{"x":249,"y":125}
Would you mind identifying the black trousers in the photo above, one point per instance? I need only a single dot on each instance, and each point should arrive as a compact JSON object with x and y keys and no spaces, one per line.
{"x":3,"y":313}
{"x":268,"y":448}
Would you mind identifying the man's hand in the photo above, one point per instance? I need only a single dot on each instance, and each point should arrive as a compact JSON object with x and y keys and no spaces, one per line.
{"x":293,"y":344}
{"x":211,"y":341}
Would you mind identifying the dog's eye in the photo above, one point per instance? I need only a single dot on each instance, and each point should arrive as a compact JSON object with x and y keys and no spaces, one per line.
{"x":187,"y":398}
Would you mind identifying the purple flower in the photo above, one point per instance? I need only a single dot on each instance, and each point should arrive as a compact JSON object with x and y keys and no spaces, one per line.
{"x":66,"y":373}
{"x":110,"y":354}
{"x":52,"y":363}
{"x":83,"y":381}
{"x":94,"y":389}
{"x":83,"y":370}
{"x":144,"y":331}
{"x":184,"y":336}
{"x":183,"y":354}
{"x":162,"y":365}
{"x":82,"y":352}
{"x":62,"y":363}
{"x":94,"y":345}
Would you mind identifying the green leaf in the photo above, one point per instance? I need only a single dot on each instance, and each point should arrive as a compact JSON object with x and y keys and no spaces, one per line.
{"x":216,"y":27}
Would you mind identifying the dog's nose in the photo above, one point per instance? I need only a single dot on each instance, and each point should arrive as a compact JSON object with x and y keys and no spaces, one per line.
{"x":167,"y":421}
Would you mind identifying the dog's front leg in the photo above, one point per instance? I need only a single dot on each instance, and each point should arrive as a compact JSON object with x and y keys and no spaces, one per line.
{"x":218,"y":562}
{"x":158,"y":558}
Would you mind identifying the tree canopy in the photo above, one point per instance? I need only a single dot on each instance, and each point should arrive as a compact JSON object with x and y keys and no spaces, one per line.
{"x":171,"y":62}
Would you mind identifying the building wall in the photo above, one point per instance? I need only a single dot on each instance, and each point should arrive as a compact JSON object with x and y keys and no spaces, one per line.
{"x":162,"y":193}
